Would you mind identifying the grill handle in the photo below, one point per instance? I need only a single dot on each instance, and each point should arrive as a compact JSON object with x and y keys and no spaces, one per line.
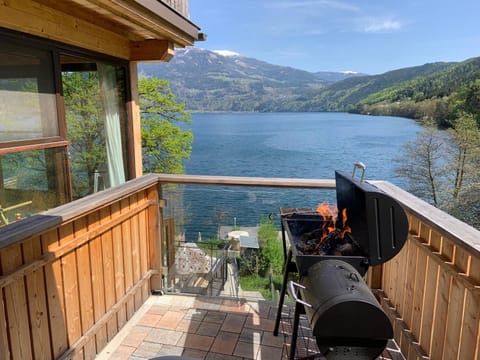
{"x":359,"y":165}
{"x":292,"y":290}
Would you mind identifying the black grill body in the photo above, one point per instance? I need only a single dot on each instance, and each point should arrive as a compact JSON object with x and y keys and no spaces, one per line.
{"x":345,"y":317}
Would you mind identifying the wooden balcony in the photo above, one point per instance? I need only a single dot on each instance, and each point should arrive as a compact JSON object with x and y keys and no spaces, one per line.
{"x":72,"y":277}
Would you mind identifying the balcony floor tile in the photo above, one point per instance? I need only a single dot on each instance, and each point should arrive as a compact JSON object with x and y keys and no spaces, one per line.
{"x":210,"y":329}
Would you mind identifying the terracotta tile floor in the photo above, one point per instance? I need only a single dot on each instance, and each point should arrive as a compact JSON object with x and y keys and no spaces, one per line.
{"x":210,"y":328}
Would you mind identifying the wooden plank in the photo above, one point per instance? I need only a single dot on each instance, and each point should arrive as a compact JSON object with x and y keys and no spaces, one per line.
{"x":440,"y":315}
{"x":462,"y":260}
{"x":400,"y":282}
{"x":16,"y":305}
{"x":37,"y":303}
{"x":135,"y":241}
{"x":4,"y":345}
{"x":470,"y":330}
{"x":127,"y":256}
{"x":154,"y":218}
{"x":108,"y":273}
{"x":435,"y":241}
{"x":448,"y":250}
{"x":118,"y":265}
{"x":70,"y":286}
{"x":85,"y":286}
{"x":428,"y":306}
{"x":425,"y":233}
{"x":413,"y":225}
{"x":55,"y":296}
{"x":474,"y":273}
{"x":410,"y":282}
{"x":136,"y":260}
{"x":419,"y":293}
{"x":98,"y":285}
{"x":144,"y":240}
{"x":454,"y":320}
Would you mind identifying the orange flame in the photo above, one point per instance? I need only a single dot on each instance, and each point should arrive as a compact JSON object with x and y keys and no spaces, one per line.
{"x":345,"y":227}
{"x":329,"y":213}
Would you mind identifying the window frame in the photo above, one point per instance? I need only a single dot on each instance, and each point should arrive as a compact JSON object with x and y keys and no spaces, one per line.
{"x":57,"y":49}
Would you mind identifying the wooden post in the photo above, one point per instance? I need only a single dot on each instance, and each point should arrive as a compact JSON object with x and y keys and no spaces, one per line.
{"x":155,"y":239}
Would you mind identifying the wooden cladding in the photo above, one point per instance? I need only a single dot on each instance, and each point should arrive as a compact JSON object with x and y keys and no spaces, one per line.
{"x":431,"y":289}
{"x":67,"y":291}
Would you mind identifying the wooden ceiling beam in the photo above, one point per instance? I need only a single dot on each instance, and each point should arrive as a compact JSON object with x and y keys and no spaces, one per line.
{"x":151,"y":50}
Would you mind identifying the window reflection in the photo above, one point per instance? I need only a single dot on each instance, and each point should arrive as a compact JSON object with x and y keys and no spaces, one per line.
{"x":30,"y":182}
{"x":27,"y":94}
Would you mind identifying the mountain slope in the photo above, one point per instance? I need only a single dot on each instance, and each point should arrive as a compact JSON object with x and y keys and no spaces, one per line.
{"x":225,"y":81}
{"x":342,"y":95}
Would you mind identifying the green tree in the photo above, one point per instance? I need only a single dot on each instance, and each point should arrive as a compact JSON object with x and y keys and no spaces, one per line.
{"x":85,"y":128}
{"x":444,"y":167}
{"x":164,"y":143}
{"x":422,"y":164}
{"x":464,"y":156}
{"x":271,"y":249}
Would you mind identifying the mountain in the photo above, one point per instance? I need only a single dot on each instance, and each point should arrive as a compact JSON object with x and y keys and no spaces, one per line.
{"x":342,"y":95}
{"x":227,"y":81}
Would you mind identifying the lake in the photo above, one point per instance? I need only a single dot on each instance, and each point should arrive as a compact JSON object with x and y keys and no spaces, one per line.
{"x":289,"y":145}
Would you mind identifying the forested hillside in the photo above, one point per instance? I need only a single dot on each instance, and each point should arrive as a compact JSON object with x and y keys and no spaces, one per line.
{"x":225,"y":81}
{"x":344,"y":95}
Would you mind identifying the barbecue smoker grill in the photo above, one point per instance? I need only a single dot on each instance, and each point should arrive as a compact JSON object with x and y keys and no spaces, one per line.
{"x":345,"y":318}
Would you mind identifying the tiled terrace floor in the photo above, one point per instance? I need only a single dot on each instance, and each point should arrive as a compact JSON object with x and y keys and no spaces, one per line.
{"x":209,"y":328}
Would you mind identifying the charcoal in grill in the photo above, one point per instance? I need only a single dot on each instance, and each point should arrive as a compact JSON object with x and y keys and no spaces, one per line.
{"x":333,"y":244}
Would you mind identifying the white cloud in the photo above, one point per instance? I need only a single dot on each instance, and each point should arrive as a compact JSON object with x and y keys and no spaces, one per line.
{"x":332,"y":4}
{"x":381,"y":26}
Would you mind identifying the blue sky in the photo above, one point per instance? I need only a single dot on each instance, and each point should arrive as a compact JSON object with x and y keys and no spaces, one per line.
{"x":370,"y":36}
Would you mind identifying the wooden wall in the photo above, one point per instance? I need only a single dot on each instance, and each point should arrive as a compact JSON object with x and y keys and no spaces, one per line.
{"x":431,"y":289}
{"x":41,"y":20}
{"x":66,"y":291}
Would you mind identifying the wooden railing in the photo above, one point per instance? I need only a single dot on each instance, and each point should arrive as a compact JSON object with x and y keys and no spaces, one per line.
{"x":70,"y":278}
{"x":431,"y":289}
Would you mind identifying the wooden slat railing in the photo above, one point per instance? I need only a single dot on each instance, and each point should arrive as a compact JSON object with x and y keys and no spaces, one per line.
{"x":431,"y":289}
{"x":70,"y":278}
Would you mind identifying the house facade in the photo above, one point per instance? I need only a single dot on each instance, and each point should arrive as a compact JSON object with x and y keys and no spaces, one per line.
{"x":69,"y":116}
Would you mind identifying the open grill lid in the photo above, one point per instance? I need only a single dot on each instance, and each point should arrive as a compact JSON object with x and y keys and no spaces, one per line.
{"x":378,"y":222}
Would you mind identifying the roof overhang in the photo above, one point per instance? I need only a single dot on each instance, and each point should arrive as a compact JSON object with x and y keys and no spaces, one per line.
{"x":148,"y":29}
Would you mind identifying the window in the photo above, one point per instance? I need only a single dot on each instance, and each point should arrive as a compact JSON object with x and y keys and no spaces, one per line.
{"x":27,"y":93}
{"x":54,"y":151}
{"x":95,"y":114}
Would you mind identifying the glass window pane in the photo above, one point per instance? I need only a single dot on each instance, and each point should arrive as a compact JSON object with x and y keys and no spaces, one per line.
{"x":30,"y":182}
{"x":28,"y":107}
{"x":95,"y":113}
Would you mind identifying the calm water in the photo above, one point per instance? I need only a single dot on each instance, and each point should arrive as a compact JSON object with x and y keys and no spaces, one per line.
{"x":291,"y":145}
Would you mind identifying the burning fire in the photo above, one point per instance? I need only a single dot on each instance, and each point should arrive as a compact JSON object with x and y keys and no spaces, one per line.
{"x":329,"y":213}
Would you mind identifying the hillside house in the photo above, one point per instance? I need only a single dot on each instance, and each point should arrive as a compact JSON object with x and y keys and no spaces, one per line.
{"x":83,"y":248}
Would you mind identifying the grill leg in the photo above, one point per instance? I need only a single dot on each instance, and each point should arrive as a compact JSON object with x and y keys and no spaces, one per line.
{"x":296,"y":322}
{"x":286,"y":270}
